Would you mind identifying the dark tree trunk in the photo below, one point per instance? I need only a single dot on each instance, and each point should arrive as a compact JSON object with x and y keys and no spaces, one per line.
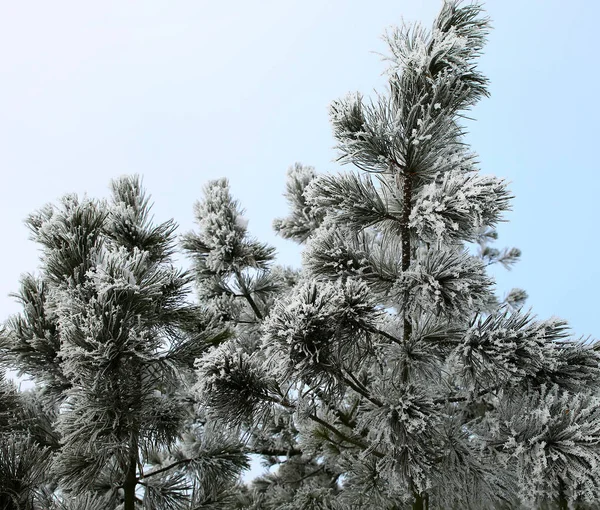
{"x":420,"y":502}
{"x":563,"y":503}
{"x":130,"y":477}
{"x":405,"y":183}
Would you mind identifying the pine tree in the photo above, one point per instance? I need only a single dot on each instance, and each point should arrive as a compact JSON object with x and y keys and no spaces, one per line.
{"x":236,"y":279}
{"x":110,"y":338}
{"x":406,"y":379}
{"x":26,"y":442}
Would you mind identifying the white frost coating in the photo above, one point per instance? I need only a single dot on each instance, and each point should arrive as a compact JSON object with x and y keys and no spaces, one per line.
{"x":118,"y":269}
{"x":458,"y":204}
{"x":302,"y":219}
{"x":220,"y":224}
{"x":416,"y":381}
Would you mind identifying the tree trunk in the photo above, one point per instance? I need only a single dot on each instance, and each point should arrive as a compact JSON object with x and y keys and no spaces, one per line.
{"x":406,"y":186}
{"x":563,"y":503}
{"x":130,"y":477}
{"x":403,"y":180}
{"x":420,"y":502}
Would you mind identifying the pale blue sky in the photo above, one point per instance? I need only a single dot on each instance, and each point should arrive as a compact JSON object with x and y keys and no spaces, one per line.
{"x":186,"y":91}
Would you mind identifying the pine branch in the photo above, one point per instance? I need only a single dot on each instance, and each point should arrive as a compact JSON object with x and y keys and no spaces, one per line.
{"x":275,"y":452}
{"x":479,"y":394}
{"x":343,"y":417}
{"x":341,"y":435}
{"x":246,"y":293}
{"x":164,"y":469}
{"x":327,"y":425}
{"x":309,"y":475}
{"x":384,"y":334}
{"x":360,"y":389}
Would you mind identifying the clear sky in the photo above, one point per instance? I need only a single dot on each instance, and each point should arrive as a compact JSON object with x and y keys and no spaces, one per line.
{"x":186,"y":91}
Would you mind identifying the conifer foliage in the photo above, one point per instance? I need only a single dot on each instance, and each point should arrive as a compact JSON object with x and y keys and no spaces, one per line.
{"x":237,"y":280}
{"x":109,"y":337}
{"x":407,"y":380}
{"x":384,"y":374}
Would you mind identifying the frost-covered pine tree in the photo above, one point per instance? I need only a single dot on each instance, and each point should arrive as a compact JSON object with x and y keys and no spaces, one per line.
{"x":109,"y":337}
{"x":407,"y":381}
{"x":26,"y":442}
{"x":236,"y":279}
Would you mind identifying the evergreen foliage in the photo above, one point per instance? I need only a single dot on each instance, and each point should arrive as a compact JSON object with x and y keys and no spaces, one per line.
{"x":109,"y":337}
{"x":26,"y":440}
{"x":237,"y":281}
{"x":408,"y":381}
{"x":384,"y":374}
